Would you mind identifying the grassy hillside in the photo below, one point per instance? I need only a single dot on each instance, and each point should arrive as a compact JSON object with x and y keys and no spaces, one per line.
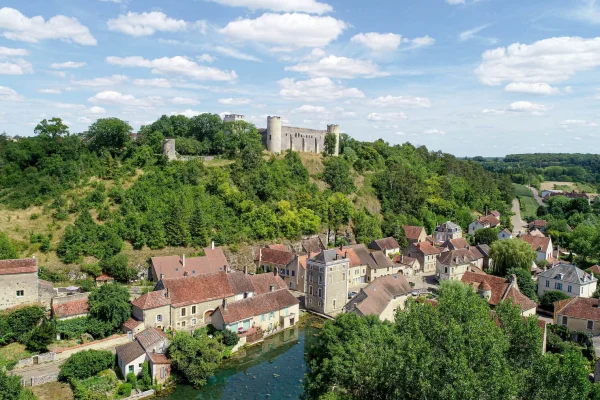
{"x":529,"y":205}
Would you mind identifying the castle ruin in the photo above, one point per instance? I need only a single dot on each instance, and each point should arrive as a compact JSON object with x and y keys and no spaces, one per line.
{"x":278,"y":138}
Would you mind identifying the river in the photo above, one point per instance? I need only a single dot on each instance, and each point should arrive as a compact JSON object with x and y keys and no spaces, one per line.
{"x":271,"y":370}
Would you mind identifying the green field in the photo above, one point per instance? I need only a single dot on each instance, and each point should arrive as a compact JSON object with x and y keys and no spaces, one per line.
{"x":528,"y":204}
{"x":522,"y":190}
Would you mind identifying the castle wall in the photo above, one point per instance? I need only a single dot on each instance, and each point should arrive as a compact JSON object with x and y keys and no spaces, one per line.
{"x":302,"y":139}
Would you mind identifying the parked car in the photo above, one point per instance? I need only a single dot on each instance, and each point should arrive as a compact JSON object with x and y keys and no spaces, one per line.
{"x":351,"y":295}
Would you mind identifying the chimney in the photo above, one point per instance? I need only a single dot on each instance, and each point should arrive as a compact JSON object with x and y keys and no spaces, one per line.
{"x":271,"y":288}
{"x":513,"y":279}
{"x":401,"y":258}
{"x":183,"y":261}
{"x":167,"y":294}
{"x":212,"y":245}
{"x":162,"y":276}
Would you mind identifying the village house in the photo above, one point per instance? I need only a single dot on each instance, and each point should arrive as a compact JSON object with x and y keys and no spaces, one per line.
{"x":389,"y":246}
{"x":104,"y":279}
{"x":451,"y":265}
{"x":539,"y":224}
{"x":568,"y":279}
{"x":578,"y":314}
{"x":496,"y":289}
{"x":455,"y":244}
{"x":327,"y":282}
{"x":407,"y":266}
{"x":71,"y":306}
{"x":426,"y":254}
{"x":447,"y":230}
{"x":169,"y":267}
{"x":542,"y":246}
{"x":366,"y":265}
{"x":382,"y":297}
{"x":415,"y":234}
{"x":149,"y":345}
{"x":488,"y":221}
{"x":19,"y":284}
{"x":313,"y":245}
{"x":505,"y":234}
{"x":536,"y":233}
{"x":273,"y":259}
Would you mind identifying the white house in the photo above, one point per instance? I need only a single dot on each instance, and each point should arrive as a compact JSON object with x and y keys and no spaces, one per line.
{"x":541,"y":245}
{"x":505,"y":234}
{"x":131,"y":356}
{"x":568,"y":279}
{"x":447,"y":230}
{"x":489,"y":221}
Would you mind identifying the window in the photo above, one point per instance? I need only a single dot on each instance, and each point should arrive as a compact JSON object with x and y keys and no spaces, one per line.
{"x":309,"y":301}
{"x":140,"y":365}
{"x":319,"y":304}
{"x":193,"y":321}
{"x":159,"y":318}
{"x":319,"y":292}
{"x":320,"y":279}
{"x":569,"y":288}
{"x":293,"y":273}
{"x":183,"y":312}
{"x":183,"y":324}
{"x":193,"y":309}
{"x":271,"y":315}
{"x":287,"y":272}
{"x":20,"y":293}
{"x":334,"y":304}
{"x":445,"y":270}
{"x":130,"y":368}
{"x":564,"y":320}
{"x":287,"y":312}
{"x":310,"y":290}
{"x":547,"y":283}
{"x":590,"y":325}
{"x":558,"y":285}
{"x":263,"y":317}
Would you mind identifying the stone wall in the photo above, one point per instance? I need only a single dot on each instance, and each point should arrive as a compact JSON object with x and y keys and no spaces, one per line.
{"x":103,"y":344}
{"x":41,"y":359}
{"x":302,"y":139}
{"x":147,"y":393}
{"x":10,"y":284}
{"x":40,"y":380}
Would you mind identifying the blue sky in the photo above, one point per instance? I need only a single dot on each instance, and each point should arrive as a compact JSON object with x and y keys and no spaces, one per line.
{"x":469,"y":77}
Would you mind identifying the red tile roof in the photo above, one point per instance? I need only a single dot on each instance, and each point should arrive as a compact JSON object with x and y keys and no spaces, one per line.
{"x":404,"y":260}
{"x":151,"y":300}
{"x":351,"y":255}
{"x":71,"y":308}
{"x":388,"y":243}
{"x":455,"y":244}
{"x":582,"y":308}
{"x":197,"y":289}
{"x":427,"y":248}
{"x":131,"y":324}
{"x":537,"y":243}
{"x":257,"y":305}
{"x":538,"y":223}
{"x":20,"y":266}
{"x":377,"y":295}
{"x":240,"y":283}
{"x":272,"y":256}
{"x":158,"y":358}
{"x":413,"y":232}
{"x":313,"y":245}
{"x":104,"y":278}
{"x":262,"y":283}
{"x":490,"y":220}
{"x":501,"y":289}
{"x":277,"y":246}
{"x":172,"y":266}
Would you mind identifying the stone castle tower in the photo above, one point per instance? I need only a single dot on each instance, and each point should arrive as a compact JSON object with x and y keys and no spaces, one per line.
{"x":169,"y":149}
{"x":279,"y":138}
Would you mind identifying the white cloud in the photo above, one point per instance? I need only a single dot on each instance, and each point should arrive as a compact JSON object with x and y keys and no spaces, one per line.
{"x":378,"y":41}
{"x":296,"y":30}
{"x":96,"y":110}
{"x":112,"y":97}
{"x":16,"y":67}
{"x":454,"y":2}
{"x":471,"y":33}
{"x":8,"y":94}
{"x":16,"y":26}
{"x":84,"y":120}
{"x":339,"y":67}
{"x":531,"y":88}
{"x":175,"y":65}
{"x":587,"y":12}
{"x":184,"y":100}
{"x":434,"y":132}
{"x":550,"y":60}
{"x":103,"y":81}
{"x":235,"y":102}
{"x":526,"y":106}
{"x":401,"y":101}
{"x":308,"y":109}
{"x":146,"y":24}
{"x":308,"y":6}
{"x":49,"y":91}
{"x":577,"y":123}
{"x":316,"y":89}
{"x":188,"y":113}
{"x":67,"y":65}
{"x":205,"y":58}
{"x":155,"y":82}
{"x":235,"y":53}
{"x":386,"y":116}
{"x":423,"y":41}
{"x":11,"y":52}
{"x":69,"y":106}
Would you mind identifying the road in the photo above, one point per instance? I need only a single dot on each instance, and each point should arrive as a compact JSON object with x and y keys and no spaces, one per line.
{"x":518,"y":224}
{"x":536,"y":195}
{"x":38,"y":370}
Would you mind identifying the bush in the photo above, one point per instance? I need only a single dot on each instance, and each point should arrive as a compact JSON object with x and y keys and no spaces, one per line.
{"x":110,"y":304}
{"x":16,"y":324}
{"x":85,"y":364}
{"x":95,"y":387}
{"x":146,"y":380}
{"x":230,"y":338}
{"x":549,"y":298}
{"x":117,"y":268}
{"x":74,"y":328}
{"x":132,"y":379}
{"x":125,"y":389}
{"x":41,"y":336}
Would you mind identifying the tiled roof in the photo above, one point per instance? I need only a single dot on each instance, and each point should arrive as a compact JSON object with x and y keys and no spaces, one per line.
{"x":172,"y":266}
{"x":240,"y":283}
{"x":197,"y":289}
{"x":568,"y":273}
{"x":458,"y":257}
{"x":129,"y":352}
{"x":71,"y":308}
{"x":502,"y":289}
{"x":506,"y":231}
{"x":302,"y":261}
{"x":262,"y":283}
{"x":257,"y":305}
{"x":375,"y":297}
{"x":495,"y":213}
{"x":313,"y":245}
{"x":595,"y":269}
{"x":351,"y":255}
{"x":327,"y":256}
{"x":280,"y":247}
{"x":158,"y":358}
{"x":388,"y":243}
{"x":363,"y":254}
{"x":582,"y":308}
{"x":537,"y":233}
{"x":538,"y":223}
{"x":104,"y":278}
{"x":537,"y":243}
{"x":404,"y":260}
{"x":427,"y":248}
{"x":381,"y":260}
{"x":519,"y":299}
{"x":149,"y":337}
{"x":413,"y":232}
{"x":131,"y":324}
{"x":151,"y":300}
{"x":455,"y":244}
{"x":276,"y":257}
{"x":490,"y":220}
{"x":45,"y":283}
{"x":20,"y":266}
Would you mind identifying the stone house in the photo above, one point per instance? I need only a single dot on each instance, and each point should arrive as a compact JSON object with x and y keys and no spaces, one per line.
{"x":388,"y":245}
{"x":505,"y":234}
{"x":366,"y":265}
{"x":496,"y":289}
{"x":455,"y":244}
{"x":542,"y":247}
{"x":381,"y":297}
{"x":426,"y":254}
{"x":452,"y":265}
{"x":19,"y":282}
{"x":313,"y":245}
{"x":447,"y":230}
{"x":568,"y":279}
{"x":487,"y":221}
{"x":327,"y":282}
{"x":147,"y":346}
{"x":170,"y":267}
{"x":415,"y":234}
{"x":104,"y":279}
{"x":294,"y":273}
{"x":408,"y":266}
{"x":539,"y":224}
{"x":578,"y":314}
{"x":71,"y":306}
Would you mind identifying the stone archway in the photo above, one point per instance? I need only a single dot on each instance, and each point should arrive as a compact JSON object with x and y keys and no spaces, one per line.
{"x":208,"y":317}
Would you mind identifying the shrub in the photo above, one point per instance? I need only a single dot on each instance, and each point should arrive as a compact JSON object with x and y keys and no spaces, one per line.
{"x":16,"y":324}
{"x":125,"y":389}
{"x":41,"y":336}
{"x":94,"y":269}
{"x":132,"y":379}
{"x":117,"y":268}
{"x":110,"y":303}
{"x":85,"y":364}
{"x":549,"y":298}
{"x":230,"y":338}
{"x":87,"y":285}
{"x":146,"y":380}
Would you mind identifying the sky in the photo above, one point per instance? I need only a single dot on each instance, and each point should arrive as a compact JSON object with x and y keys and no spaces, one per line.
{"x":467,"y":77}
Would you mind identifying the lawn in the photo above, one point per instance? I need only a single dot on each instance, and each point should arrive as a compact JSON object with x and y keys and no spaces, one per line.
{"x":522,"y":190}
{"x":528,"y":204}
{"x":12,"y":353}
{"x":53,"y":390}
{"x":568,"y":186}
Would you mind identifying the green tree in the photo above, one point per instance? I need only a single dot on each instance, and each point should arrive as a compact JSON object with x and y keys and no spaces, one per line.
{"x":110,"y":303}
{"x":366,"y":227}
{"x":10,"y":387}
{"x":549,"y":298}
{"x":340,"y":211}
{"x":117,"y":267}
{"x":84,"y":364}
{"x":195,"y":356}
{"x":582,"y":240}
{"x":51,"y":129}
{"x":41,"y":336}
{"x":330,"y":144}
{"x":337,"y":175}
{"x":110,"y":134}
{"x":393,"y":226}
{"x":310,"y":223}
{"x":526,"y":284}
{"x":7,"y":249}
{"x":486,"y":236}
{"x":509,"y":254}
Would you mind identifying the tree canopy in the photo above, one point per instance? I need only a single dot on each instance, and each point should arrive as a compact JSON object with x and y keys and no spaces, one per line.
{"x":509,"y":254}
{"x":110,"y":303}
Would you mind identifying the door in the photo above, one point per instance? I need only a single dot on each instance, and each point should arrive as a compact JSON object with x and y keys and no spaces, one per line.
{"x":208,"y":317}
{"x":246,"y":324}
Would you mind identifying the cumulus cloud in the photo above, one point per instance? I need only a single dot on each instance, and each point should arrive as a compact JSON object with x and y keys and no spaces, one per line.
{"x":155,"y":82}
{"x":546,"y":61}
{"x":117,"y":98}
{"x":12,"y":52}
{"x":339,"y":67}
{"x":96,"y":110}
{"x":577,"y":123}
{"x":386,"y":116}
{"x":84,"y":120}
{"x":316,"y":89}
{"x":235,"y":53}
{"x":205,"y":58}
{"x":175,"y":65}
{"x":234,"y":101}
{"x":291,"y":29}
{"x":9,"y":94}
{"x":519,"y":108}
{"x":378,"y":41}
{"x":401,"y":101}
{"x":102,"y":81}
{"x":16,"y":26}
{"x":16,"y":67}
{"x":67,"y":65}
{"x":423,"y":41}
{"x":531,"y":88}
{"x":146,"y":24}
{"x":308,"y":109}
{"x":49,"y":91}
{"x":183,"y":100}
{"x":308,"y":6}
{"x":188,"y":113}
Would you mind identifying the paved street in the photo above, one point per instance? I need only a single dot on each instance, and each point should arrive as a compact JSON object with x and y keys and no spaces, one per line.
{"x":536,"y":196}
{"x":518,"y":224}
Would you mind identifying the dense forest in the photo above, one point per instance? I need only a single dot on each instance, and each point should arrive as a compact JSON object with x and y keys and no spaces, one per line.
{"x":109,"y":189}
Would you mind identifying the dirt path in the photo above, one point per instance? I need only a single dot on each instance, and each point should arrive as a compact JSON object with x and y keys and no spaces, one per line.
{"x":38,"y":370}
{"x":517,"y":222}
{"x":536,"y":196}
